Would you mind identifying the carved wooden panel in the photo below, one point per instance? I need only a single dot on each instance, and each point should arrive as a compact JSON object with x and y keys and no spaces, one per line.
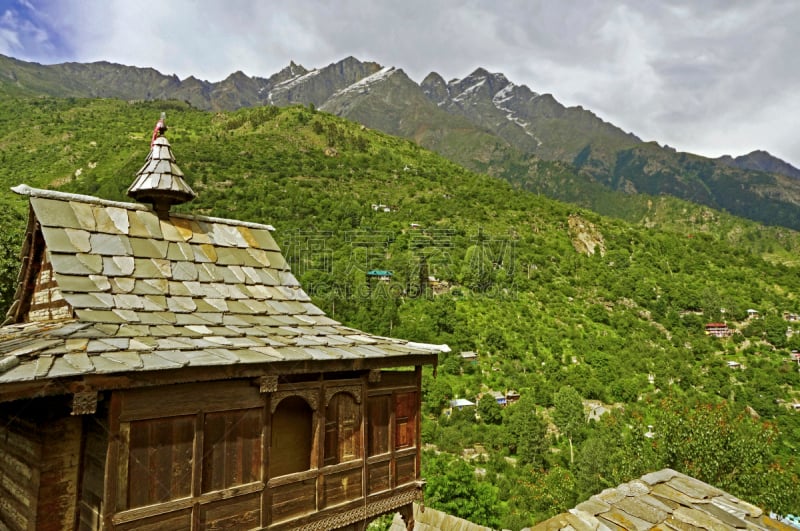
{"x":384,"y":505}
{"x":268,"y":384}
{"x":193,"y":462}
{"x":84,"y":403}
{"x":342,"y":430}
{"x":405,"y":407}
{"x":331,"y":390}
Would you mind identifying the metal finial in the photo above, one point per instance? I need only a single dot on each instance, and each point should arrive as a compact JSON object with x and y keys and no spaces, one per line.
{"x":160,"y":181}
{"x":160,"y":128}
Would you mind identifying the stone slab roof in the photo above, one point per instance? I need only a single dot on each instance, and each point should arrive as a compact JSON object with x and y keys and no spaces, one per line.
{"x":140,"y":293}
{"x":662,"y":500}
{"x":427,"y":519}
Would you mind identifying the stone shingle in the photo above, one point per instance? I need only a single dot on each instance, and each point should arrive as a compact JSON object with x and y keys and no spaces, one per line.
{"x":693,"y":488}
{"x":117,"y":266}
{"x":67,"y":240}
{"x":53,"y":213}
{"x":76,"y":264}
{"x":149,"y":248}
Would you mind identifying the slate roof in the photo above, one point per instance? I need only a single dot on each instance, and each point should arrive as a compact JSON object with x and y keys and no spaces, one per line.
{"x":146,"y":293}
{"x":427,"y":519}
{"x":662,"y":500}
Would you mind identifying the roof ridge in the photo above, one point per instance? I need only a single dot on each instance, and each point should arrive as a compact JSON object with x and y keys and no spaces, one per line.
{"x":24,"y":189}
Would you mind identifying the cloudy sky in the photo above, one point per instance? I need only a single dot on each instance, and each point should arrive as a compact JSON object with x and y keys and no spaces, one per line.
{"x":707,"y":76}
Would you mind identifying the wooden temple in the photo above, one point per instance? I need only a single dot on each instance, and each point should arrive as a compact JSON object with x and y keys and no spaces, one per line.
{"x":162,"y":371}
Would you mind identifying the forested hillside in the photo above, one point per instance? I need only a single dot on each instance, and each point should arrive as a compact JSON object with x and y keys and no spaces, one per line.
{"x":570,"y":309}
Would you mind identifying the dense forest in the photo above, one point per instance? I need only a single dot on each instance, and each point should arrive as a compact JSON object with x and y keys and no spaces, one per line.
{"x":581,"y":315}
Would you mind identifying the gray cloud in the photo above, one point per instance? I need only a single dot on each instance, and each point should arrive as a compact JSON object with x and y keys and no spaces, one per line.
{"x":710,"y":77}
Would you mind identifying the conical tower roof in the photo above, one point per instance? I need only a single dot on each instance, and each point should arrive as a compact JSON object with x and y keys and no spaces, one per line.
{"x":160,"y":181}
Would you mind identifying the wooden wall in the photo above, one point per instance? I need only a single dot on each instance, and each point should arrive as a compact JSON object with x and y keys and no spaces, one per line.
{"x":20,"y":453}
{"x":58,"y":479}
{"x":94,"y":465}
{"x":40,"y":459}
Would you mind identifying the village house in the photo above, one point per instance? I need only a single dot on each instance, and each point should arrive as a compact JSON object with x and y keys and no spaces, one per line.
{"x":380,"y":207}
{"x":381,"y":275}
{"x":469,"y":357}
{"x":461,"y":403}
{"x":718,"y":330}
{"x":162,"y":371}
{"x":499,"y":397}
{"x":512,"y":396}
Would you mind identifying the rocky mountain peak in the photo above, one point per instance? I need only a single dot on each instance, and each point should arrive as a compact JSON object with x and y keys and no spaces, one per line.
{"x":238,"y":76}
{"x":480,"y":84}
{"x":316,"y":86}
{"x":761,"y":160}
{"x":435,"y":88}
{"x":288,"y":72}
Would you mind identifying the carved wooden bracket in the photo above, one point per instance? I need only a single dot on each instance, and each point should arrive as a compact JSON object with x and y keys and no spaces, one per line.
{"x":84,"y":403}
{"x":374,"y":376}
{"x":309,"y":395}
{"x":401,"y":503}
{"x":268,"y":384}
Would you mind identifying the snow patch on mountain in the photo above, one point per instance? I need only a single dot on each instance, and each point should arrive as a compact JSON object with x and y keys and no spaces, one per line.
{"x":506,"y":95}
{"x":362,"y":86}
{"x":503,"y":95}
{"x":289,"y":83}
{"x":470,"y":90}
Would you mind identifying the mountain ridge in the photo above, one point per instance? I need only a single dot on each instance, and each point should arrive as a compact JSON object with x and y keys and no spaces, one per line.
{"x":483,"y":121}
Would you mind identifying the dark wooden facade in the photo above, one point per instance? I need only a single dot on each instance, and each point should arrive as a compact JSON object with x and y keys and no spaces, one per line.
{"x":170,"y":373}
{"x":317,"y":451}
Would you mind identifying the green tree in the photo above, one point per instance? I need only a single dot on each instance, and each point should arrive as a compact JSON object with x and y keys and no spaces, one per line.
{"x":489,"y":410}
{"x":732,"y":451}
{"x":11,"y":226}
{"x":568,"y":415}
{"x":528,"y":432}
{"x":551,"y":492}
{"x":452,"y":487}
{"x":437,"y":395}
{"x":775,"y":330}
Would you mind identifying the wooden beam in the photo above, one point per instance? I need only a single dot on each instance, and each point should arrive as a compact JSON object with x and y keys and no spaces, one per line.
{"x":133,"y":379}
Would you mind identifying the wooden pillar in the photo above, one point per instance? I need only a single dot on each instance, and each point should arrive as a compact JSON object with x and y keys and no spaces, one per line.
{"x":59,"y":474}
